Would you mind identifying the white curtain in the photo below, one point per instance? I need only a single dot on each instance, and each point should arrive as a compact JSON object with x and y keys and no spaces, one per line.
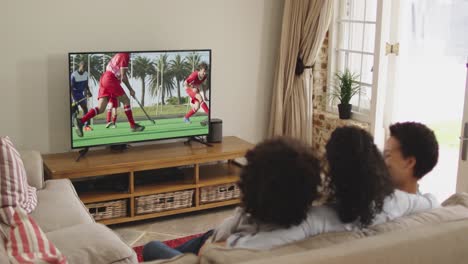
{"x":305,"y":24}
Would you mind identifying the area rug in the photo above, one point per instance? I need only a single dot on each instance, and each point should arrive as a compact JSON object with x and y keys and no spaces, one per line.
{"x":172,"y":243}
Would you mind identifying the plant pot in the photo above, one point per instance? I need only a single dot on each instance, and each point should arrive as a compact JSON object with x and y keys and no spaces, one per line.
{"x":344,"y":111}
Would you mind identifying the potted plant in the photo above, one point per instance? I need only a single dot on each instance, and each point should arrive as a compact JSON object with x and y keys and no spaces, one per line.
{"x":344,"y":89}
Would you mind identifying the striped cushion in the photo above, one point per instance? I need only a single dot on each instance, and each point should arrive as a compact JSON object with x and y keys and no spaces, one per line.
{"x":24,"y":240}
{"x":14,"y":188}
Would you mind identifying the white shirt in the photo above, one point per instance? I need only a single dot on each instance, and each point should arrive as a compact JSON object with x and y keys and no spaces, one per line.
{"x":319,"y":220}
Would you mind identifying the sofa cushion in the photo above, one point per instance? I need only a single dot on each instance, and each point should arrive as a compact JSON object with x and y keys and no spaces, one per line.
{"x":14,"y":188}
{"x":3,"y":253}
{"x":216,"y":254}
{"x":25,"y":242}
{"x":434,"y":216}
{"x":455,"y":208}
{"x":457,"y":199}
{"x":34,"y":167}
{"x":328,"y":239}
{"x":180,"y":259}
{"x":444,"y":243}
{"x":92,"y":243}
{"x":59,"y":206}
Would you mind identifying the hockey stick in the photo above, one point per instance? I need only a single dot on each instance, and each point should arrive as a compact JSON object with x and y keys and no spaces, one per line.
{"x":79,"y":101}
{"x":144,"y":111}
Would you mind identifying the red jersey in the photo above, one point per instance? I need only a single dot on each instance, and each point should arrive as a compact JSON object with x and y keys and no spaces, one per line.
{"x":119,"y":61}
{"x":193,"y":79}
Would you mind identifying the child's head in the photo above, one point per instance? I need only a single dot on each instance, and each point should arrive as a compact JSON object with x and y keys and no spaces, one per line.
{"x":202,"y":69}
{"x":410,"y":152}
{"x":280,"y":181}
{"x":81,"y":66}
{"x":359,"y":180}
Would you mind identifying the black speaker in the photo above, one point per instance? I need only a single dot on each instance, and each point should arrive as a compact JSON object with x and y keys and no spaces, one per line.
{"x":215,"y":134}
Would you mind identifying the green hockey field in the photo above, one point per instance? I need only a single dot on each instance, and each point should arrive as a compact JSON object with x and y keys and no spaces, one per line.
{"x":164,"y":128}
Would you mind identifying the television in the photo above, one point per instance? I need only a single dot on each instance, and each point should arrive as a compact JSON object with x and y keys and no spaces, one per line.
{"x":125,"y":97}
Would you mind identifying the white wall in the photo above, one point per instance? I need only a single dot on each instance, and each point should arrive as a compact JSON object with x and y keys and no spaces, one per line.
{"x":35,"y":37}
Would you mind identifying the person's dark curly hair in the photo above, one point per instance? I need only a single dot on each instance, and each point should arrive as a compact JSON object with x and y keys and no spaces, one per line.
{"x":279,"y":182}
{"x":358,"y":177}
{"x":418,"y":141}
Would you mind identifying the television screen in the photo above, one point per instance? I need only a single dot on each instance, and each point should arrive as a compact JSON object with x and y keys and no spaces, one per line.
{"x":123,"y":97}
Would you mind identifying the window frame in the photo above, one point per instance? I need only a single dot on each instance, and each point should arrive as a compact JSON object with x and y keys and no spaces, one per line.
{"x":335,"y":35}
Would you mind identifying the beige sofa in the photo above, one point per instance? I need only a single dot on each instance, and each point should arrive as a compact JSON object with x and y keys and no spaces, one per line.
{"x":436,"y":236}
{"x":66,"y":221}
{"x":68,"y":225}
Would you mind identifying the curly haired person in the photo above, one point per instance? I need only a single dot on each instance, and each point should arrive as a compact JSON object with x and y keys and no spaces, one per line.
{"x":278,"y":185}
{"x":362,"y":193}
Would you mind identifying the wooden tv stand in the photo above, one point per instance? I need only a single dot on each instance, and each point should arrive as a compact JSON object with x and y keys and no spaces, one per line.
{"x":203,"y":166}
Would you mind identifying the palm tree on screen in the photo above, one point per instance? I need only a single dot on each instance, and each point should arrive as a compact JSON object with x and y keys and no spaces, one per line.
{"x":180,"y":69}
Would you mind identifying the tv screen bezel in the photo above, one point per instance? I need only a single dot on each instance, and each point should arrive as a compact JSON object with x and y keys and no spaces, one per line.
{"x":143,"y":51}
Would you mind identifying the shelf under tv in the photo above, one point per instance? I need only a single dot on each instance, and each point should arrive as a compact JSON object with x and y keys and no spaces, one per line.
{"x":200,"y":167}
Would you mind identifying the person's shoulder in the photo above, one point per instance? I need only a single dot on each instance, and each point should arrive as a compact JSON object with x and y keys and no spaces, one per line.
{"x":125,"y":55}
{"x":397,"y":196}
{"x":322,"y":219}
{"x":431,"y":197}
{"x":121,"y":56}
{"x":193,"y":75}
{"x":400,"y":196}
{"x":321,"y":212}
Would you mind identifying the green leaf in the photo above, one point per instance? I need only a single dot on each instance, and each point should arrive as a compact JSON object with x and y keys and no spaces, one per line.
{"x":345,"y":86}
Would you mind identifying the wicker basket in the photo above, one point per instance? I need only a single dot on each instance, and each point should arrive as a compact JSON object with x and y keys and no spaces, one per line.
{"x":219,"y":193}
{"x":163,"y":202}
{"x":107,"y":210}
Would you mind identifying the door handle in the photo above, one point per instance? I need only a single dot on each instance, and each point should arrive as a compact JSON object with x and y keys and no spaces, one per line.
{"x":464,"y":140}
